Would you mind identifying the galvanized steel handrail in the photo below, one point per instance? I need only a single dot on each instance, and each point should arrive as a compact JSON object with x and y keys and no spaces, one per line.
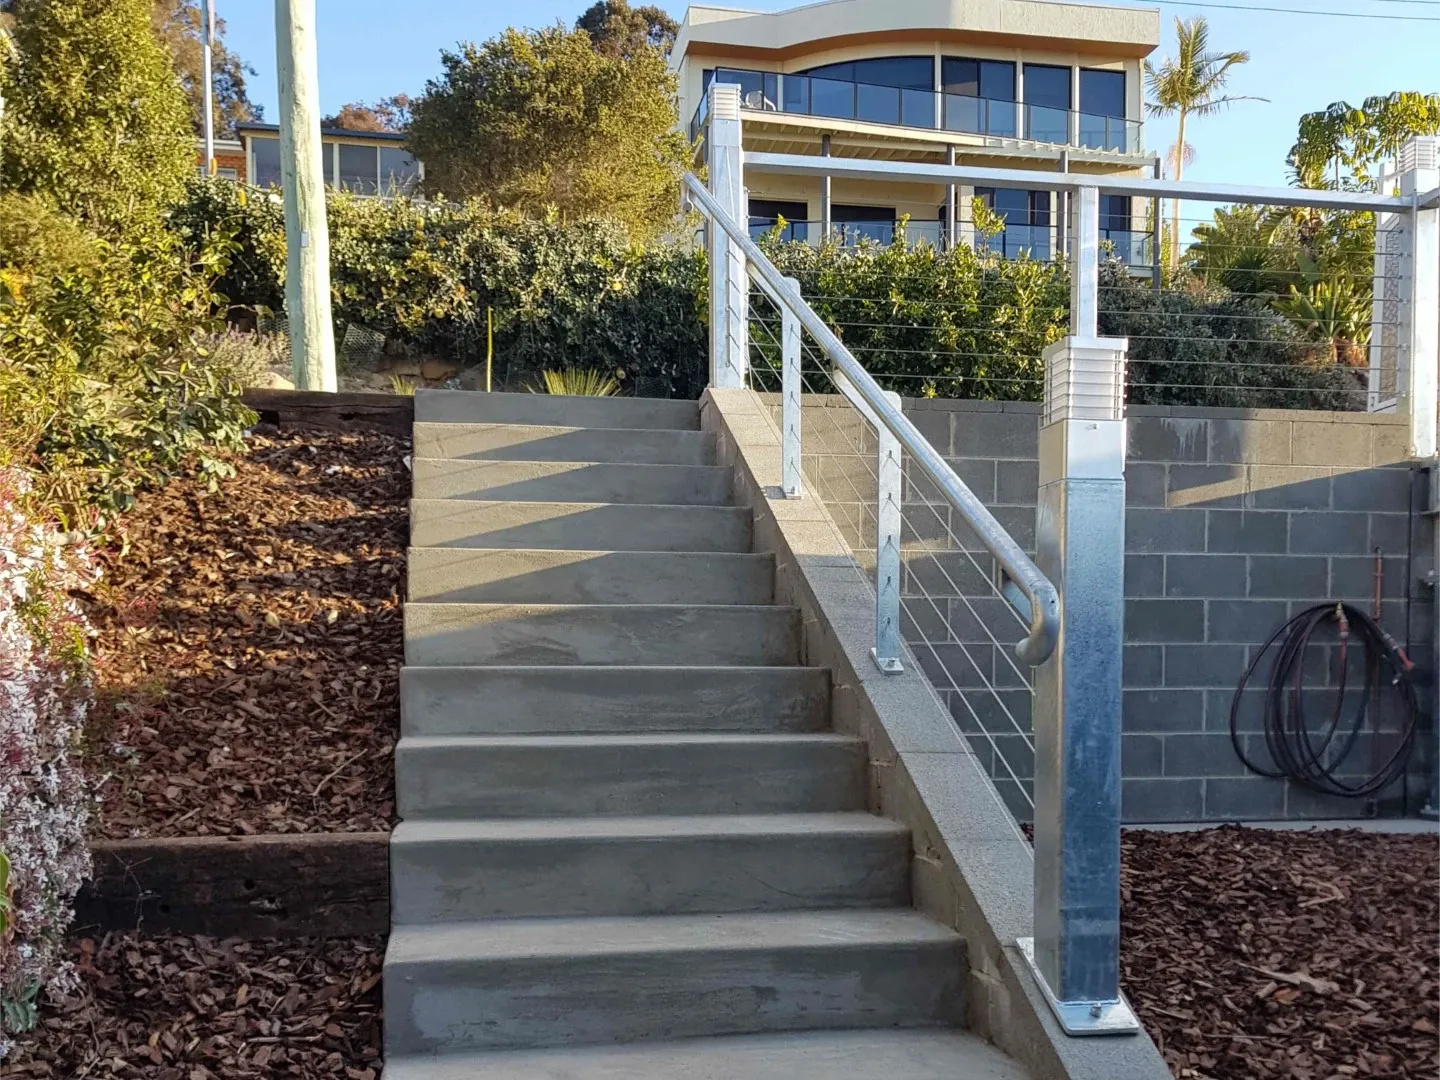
{"x":1038,"y":601}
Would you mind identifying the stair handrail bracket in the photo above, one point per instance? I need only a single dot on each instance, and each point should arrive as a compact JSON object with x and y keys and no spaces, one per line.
{"x":1026,"y":588}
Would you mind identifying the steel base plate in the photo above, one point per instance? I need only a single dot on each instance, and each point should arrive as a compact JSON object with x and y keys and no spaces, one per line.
{"x":889,"y":667}
{"x":1082,"y":1017}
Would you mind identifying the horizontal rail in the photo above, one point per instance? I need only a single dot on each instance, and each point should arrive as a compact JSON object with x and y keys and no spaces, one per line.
{"x":1041,"y":600}
{"x":911,"y":172}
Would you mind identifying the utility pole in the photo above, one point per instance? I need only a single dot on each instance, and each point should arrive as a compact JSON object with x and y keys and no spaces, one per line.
{"x":302,"y":176}
{"x":207,"y":53}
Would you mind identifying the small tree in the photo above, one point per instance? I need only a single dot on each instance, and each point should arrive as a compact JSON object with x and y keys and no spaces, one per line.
{"x":179,"y":24}
{"x":539,"y":119}
{"x":618,"y":30}
{"x":1190,"y":84}
{"x":1342,"y":147}
{"x":388,"y":114}
{"x":95,"y":120}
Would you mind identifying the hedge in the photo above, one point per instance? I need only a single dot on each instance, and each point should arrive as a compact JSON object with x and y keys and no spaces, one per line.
{"x":580,"y":294}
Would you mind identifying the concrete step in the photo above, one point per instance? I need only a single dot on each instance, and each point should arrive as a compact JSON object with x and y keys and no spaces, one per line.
{"x":571,"y":481}
{"x":471,"y":407}
{"x":528,"y":776}
{"x":550,"y":700}
{"x":519,"y":576}
{"x":650,"y":634}
{"x":451,"y":871}
{"x":526,"y":983}
{"x":516,"y":442}
{"x":578,"y":526}
{"x":913,"y":1054}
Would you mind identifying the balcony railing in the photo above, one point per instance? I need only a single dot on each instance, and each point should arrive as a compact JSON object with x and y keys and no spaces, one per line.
{"x":1131,"y":246}
{"x":809,"y":95}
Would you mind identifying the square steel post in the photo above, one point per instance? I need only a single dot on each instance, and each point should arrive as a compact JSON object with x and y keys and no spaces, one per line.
{"x":791,"y":418}
{"x":887,"y":548}
{"x":1080,"y":546}
{"x":1420,"y":173}
{"x":729,"y":280}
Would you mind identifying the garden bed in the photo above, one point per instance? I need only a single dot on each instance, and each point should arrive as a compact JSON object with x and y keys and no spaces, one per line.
{"x":194,"y":1008}
{"x":1314,"y":955}
{"x":249,"y":645}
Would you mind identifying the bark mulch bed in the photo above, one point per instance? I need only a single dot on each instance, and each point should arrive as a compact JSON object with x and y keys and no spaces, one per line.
{"x":193,"y":1008}
{"x":250,"y":641}
{"x":1304,"y":955}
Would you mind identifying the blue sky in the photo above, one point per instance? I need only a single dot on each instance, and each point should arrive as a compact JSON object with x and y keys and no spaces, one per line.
{"x":370,"y":49}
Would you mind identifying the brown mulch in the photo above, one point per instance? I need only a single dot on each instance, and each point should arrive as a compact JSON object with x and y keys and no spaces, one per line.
{"x":1252,"y":954}
{"x":250,"y":641}
{"x":194,"y":1008}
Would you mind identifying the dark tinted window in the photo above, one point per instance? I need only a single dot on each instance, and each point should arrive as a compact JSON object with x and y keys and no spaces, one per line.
{"x":1047,"y":86}
{"x":267,"y":161}
{"x":359,"y":171}
{"x":853,"y":223}
{"x":758,"y":89}
{"x":764,"y":213}
{"x":1027,"y":221}
{"x":399,"y":172}
{"x":1102,"y":93}
{"x":1115,"y":213}
{"x":910,"y":72}
{"x":978,"y":78}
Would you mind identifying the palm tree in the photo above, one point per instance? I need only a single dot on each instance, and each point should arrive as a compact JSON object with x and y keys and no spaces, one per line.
{"x":1190,"y":84}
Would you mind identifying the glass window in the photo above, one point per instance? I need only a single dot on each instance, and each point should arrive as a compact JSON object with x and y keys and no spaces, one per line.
{"x":1102,"y":92}
{"x":1027,"y":221}
{"x":764,"y":213}
{"x":1047,"y":86}
{"x":832,"y":97}
{"x":758,"y":89}
{"x":399,"y":172}
{"x":993,"y":79}
{"x":877,"y":104}
{"x":852,"y":223}
{"x":1115,"y":213}
{"x":359,"y":169}
{"x":266,"y":154}
{"x":796,"y":94}
{"x":906,"y":72}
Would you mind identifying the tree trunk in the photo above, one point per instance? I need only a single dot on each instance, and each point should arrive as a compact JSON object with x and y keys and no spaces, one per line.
{"x":1175,"y":210}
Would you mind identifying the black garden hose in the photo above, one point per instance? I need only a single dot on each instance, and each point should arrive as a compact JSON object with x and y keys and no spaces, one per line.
{"x":1313,"y":755}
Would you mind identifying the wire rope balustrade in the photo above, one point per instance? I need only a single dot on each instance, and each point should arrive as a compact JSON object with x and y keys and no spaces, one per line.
{"x":1069,"y":334}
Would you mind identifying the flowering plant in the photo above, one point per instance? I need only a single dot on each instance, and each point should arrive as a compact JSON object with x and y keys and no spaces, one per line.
{"x":44,"y":800}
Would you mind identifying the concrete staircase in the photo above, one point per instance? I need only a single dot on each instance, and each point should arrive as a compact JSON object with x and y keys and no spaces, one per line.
{"x":630,"y":845}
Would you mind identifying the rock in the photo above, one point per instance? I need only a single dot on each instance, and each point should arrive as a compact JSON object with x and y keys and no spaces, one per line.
{"x":438,"y":369}
{"x":273,"y":380}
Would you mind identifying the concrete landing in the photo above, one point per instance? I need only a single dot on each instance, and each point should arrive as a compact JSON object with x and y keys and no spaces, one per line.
{"x":844,"y":1055}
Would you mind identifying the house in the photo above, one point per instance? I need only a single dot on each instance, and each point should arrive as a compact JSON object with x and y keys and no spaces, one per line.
{"x":363,"y":162}
{"x":999,"y":83}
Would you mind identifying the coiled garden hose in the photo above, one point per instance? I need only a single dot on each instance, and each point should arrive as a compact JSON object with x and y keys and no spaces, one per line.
{"x":1314,"y":754}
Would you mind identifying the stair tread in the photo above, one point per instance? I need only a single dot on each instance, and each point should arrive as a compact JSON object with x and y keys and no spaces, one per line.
{"x":474,"y":407}
{"x":660,"y":825}
{"x":915,"y":1054}
{"x":519,"y":939}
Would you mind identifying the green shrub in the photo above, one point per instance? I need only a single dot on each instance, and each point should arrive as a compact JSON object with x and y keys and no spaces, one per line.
{"x":105,"y":385}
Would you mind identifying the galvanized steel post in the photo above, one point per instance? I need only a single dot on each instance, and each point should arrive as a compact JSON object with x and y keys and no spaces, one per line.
{"x":791,"y":418}
{"x":887,"y":548}
{"x":1080,"y":534}
{"x":1419,"y":174}
{"x":729,"y":282}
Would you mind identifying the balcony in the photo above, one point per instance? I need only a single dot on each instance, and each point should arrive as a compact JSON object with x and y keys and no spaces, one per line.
{"x":808,"y":95}
{"x":1130,"y":246}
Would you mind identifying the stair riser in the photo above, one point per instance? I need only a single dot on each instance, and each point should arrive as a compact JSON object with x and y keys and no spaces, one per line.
{"x":558,"y":481}
{"x":452,"y":575}
{"x":610,"y":701}
{"x":466,"y":407}
{"x":519,"y":781}
{"x":466,"y":634}
{"x":500,"y":442}
{"x":458,"y":880}
{"x":444,"y":1006}
{"x":460,"y":523}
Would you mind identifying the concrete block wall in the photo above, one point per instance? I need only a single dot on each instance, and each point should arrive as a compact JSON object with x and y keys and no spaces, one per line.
{"x":1236,"y":520}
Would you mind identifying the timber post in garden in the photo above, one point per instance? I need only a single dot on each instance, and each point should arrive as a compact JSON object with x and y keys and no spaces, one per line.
{"x":302,"y":177}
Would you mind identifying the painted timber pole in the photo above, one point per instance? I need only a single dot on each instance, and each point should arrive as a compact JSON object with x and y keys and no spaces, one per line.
{"x":302,"y":176}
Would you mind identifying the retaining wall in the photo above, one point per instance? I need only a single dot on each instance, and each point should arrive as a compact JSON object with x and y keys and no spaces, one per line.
{"x":1236,"y":520}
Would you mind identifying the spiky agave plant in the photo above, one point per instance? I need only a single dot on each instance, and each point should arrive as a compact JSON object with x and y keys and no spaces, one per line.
{"x":577,"y":382}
